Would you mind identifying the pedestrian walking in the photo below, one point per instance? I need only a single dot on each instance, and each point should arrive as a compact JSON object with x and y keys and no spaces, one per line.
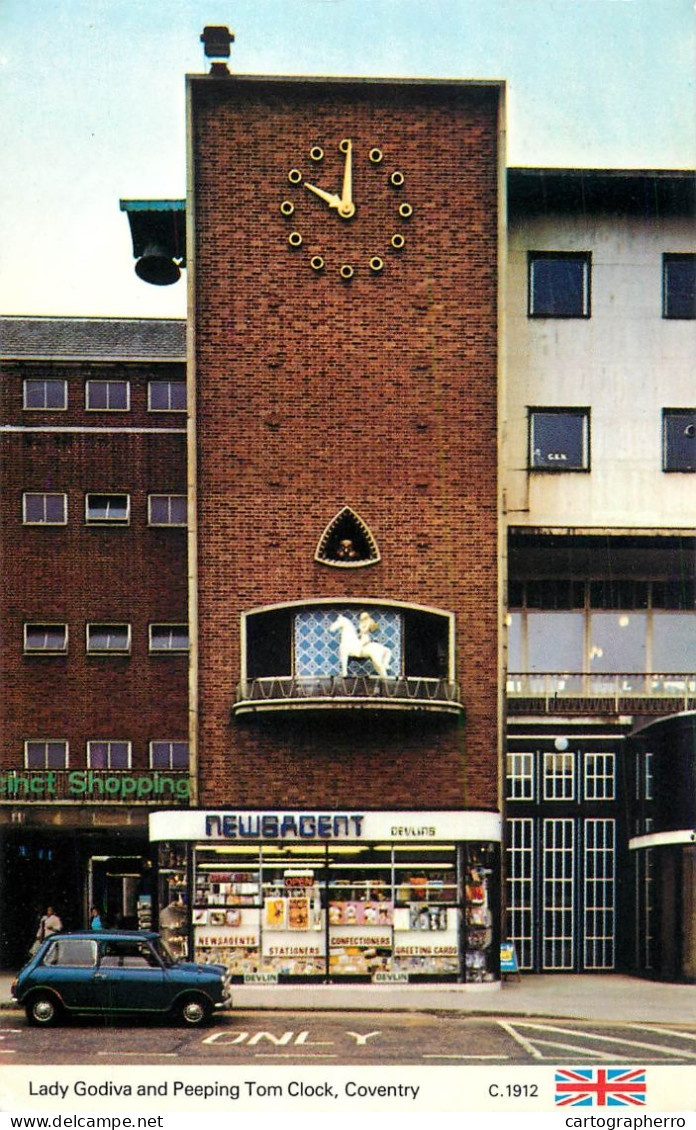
{"x":49,"y":924}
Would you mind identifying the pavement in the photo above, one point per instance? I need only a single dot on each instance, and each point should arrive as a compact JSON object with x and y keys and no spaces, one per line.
{"x":607,"y":998}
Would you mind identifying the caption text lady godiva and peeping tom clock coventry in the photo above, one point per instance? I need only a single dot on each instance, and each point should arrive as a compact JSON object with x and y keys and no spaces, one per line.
{"x":354,"y":217}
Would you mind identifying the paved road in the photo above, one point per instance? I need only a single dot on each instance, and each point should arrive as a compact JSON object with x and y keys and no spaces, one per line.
{"x":312,"y":1038}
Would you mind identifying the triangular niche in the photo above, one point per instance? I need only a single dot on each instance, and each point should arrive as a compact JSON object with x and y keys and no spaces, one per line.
{"x":347,"y":542}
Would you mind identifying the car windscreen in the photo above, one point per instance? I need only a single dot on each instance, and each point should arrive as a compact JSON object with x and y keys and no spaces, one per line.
{"x":163,"y":951}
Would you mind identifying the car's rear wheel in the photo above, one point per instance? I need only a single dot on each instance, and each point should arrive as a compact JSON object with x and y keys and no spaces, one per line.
{"x":193,"y":1012}
{"x":43,"y":1010}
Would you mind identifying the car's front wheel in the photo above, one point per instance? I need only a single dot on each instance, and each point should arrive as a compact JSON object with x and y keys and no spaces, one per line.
{"x":193,"y":1012}
{"x":43,"y":1010}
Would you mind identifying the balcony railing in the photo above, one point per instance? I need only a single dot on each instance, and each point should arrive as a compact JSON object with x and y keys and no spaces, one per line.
{"x":154,"y":787}
{"x":334,"y":691}
{"x":621,"y":693}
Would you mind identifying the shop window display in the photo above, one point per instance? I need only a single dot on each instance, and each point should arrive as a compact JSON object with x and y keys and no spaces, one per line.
{"x":361,"y":914}
{"x":225,"y":916}
{"x":426,"y":912}
{"x":313,"y":912}
{"x":479,"y":898}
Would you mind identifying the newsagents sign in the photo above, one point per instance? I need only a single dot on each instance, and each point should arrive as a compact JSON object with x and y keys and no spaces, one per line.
{"x":348,"y":825}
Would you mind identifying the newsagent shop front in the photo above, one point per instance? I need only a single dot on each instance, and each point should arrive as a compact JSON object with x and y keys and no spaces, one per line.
{"x":332,"y":896}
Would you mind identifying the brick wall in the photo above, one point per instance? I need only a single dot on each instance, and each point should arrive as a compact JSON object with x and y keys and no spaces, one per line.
{"x":77,"y":574}
{"x":379,"y":394}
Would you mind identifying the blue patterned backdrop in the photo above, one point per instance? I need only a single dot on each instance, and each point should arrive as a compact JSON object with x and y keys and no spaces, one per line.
{"x":316,"y":648}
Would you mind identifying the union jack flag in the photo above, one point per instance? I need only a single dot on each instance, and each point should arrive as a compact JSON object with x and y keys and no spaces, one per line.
{"x":600,"y":1086}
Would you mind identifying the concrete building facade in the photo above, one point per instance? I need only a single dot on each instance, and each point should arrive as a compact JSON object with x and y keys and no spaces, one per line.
{"x":599,"y":461}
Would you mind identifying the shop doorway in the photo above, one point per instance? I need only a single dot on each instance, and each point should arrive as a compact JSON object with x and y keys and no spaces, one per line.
{"x":120,"y":886}
{"x":36,"y":871}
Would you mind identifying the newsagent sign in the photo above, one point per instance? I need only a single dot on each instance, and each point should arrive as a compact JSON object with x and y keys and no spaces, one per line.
{"x":240,"y":826}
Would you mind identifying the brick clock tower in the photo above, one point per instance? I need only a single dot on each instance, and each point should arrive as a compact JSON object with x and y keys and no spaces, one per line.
{"x":344,"y":249}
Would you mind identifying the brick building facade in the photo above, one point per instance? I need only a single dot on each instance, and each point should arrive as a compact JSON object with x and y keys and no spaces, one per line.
{"x":343,"y":388}
{"x":94,"y":578}
{"x":378,"y":394}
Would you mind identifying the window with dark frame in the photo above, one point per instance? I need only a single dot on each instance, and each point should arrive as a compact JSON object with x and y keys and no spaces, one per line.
{"x":44,"y":509}
{"x":559,"y":284}
{"x":45,"y":395}
{"x":559,"y":439}
{"x":679,"y":286}
{"x":679,"y":439}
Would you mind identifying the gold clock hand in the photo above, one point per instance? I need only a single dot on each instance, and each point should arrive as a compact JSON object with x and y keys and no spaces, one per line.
{"x":331,"y":198}
{"x":347,"y":207}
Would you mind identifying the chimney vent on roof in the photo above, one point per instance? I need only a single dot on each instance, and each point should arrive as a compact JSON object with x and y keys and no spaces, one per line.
{"x":216,"y":44}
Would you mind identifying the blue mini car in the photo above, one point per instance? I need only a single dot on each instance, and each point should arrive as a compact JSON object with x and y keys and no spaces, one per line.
{"x":115,"y":972}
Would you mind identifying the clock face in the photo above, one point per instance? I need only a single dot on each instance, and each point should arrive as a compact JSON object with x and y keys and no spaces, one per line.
{"x":346,"y":210}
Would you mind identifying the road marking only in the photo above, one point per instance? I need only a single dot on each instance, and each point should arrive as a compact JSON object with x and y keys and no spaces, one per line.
{"x":530,"y":1044}
{"x":664,"y":1032}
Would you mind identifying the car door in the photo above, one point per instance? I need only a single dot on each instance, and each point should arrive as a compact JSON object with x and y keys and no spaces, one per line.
{"x":131,"y":977}
{"x":69,"y":967}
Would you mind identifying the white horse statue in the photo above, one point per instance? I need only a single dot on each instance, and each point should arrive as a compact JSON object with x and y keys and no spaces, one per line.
{"x":359,"y":645}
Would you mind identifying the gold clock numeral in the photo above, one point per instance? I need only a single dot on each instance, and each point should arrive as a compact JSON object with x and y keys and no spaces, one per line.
{"x":405,"y":210}
{"x":295,"y":239}
{"x":295,"y":176}
{"x":376,"y":264}
{"x":376,"y":156}
{"x":316,"y":263}
{"x":397,"y":179}
{"x":316,"y":153}
{"x":397,"y":241}
{"x":347,"y":271}
{"x":287,"y":207}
